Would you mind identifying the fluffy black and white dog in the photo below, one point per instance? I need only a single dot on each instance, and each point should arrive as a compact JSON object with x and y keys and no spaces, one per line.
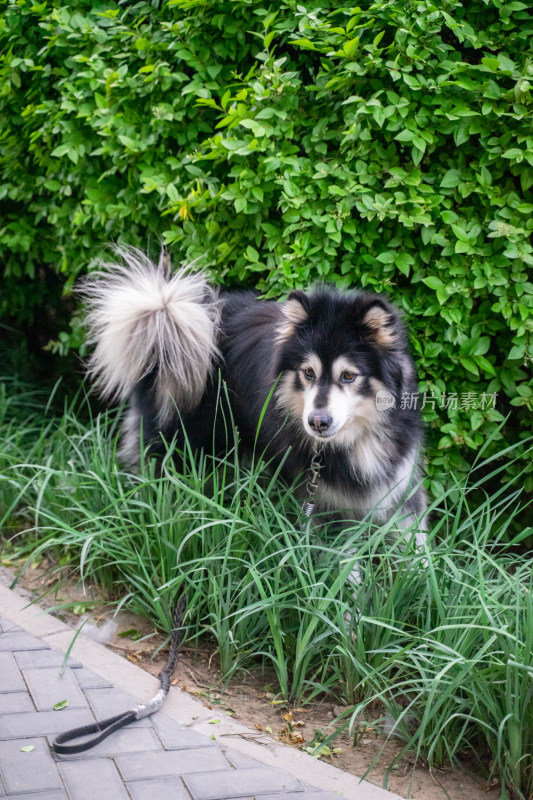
{"x":321,"y":367}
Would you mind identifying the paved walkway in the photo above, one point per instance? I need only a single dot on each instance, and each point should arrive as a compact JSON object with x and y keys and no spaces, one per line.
{"x":175,"y":755}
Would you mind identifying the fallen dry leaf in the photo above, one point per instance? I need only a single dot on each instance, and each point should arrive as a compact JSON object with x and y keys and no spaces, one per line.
{"x":290,"y":737}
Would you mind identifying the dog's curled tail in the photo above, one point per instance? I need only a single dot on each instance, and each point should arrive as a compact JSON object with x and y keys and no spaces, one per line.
{"x":144,"y":320}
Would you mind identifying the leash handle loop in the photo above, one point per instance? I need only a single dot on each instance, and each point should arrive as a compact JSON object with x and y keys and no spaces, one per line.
{"x":107,"y":726}
{"x":103,"y":729}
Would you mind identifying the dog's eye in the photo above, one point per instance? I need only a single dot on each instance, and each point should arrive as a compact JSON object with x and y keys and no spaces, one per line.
{"x":348,"y":376}
{"x":309,"y":374}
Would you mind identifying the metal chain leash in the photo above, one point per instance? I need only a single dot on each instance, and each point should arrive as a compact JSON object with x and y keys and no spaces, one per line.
{"x":316,"y":465}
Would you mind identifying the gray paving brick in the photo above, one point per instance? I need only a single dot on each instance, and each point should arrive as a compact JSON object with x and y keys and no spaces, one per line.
{"x":240,"y":760}
{"x":240,"y":783}
{"x":42,"y":723}
{"x":15,"y":703}
{"x":127,"y":740}
{"x":7,"y":625}
{"x":28,"y":772}
{"x":54,"y":794}
{"x":87,"y":679}
{"x":178,"y":737}
{"x":33,"y":659}
{"x":10,"y":677}
{"x":48,"y":687}
{"x":169,"y":788}
{"x":309,"y":789}
{"x":95,"y":779}
{"x":307,"y":794}
{"x":20,"y":640}
{"x":174,"y":762}
{"x":107,"y":702}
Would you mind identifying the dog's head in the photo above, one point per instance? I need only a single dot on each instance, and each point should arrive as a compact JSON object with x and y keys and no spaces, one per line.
{"x":344,"y":362}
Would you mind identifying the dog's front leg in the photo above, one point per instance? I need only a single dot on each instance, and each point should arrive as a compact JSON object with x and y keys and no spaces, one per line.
{"x":412,"y":526}
{"x":355,"y":578}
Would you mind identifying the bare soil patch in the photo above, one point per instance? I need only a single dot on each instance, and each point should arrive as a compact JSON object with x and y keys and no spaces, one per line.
{"x":250,"y":698}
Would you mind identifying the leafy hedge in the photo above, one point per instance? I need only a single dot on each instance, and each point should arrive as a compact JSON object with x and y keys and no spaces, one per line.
{"x":387,"y":145}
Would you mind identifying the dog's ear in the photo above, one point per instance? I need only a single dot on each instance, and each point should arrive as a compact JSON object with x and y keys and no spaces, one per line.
{"x":294,"y":310}
{"x":382,"y":323}
{"x":298,"y":298}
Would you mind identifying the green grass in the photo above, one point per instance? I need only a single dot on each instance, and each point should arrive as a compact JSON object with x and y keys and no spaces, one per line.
{"x":444,"y":639}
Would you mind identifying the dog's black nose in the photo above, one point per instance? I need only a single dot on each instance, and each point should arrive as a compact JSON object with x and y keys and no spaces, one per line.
{"x":319,"y":421}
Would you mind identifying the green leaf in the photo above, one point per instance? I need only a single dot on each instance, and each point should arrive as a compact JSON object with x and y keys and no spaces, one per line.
{"x":461,"y":234}
{"x":476,"y":346}
{"x":517,"y":352}
{"x":491,"y":64}
{"x":172,"y":193}
{"x":432,"y":349}
{"x":405,"y":136}
{"x":351,"y":46}
{"x":388,"y":257}
{"x":419,"y":143}
{"x":252,"y":254}
{"x":257,"y":128}
{"x":485,"y":178}
{"x":403,"y":262}
{"x":61,"y":150}
{"x":27,"y":748}
{"x":476,"y":420}
{"x":513,"y":152}
{"x":131,"y":633}
{"x":61,"y":704}
{"x":449,"y":217}
{"x":485,"y":364}
{"x":305,"y":43}
{"x":433,"y":282}
{"x":267,"y":41}
{"x":470,"y":365}
{"x":451,"y":179}
{"x":462,"y":246}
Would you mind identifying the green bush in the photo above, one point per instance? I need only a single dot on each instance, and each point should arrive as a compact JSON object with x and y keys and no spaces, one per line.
{"x":386,"y":145}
